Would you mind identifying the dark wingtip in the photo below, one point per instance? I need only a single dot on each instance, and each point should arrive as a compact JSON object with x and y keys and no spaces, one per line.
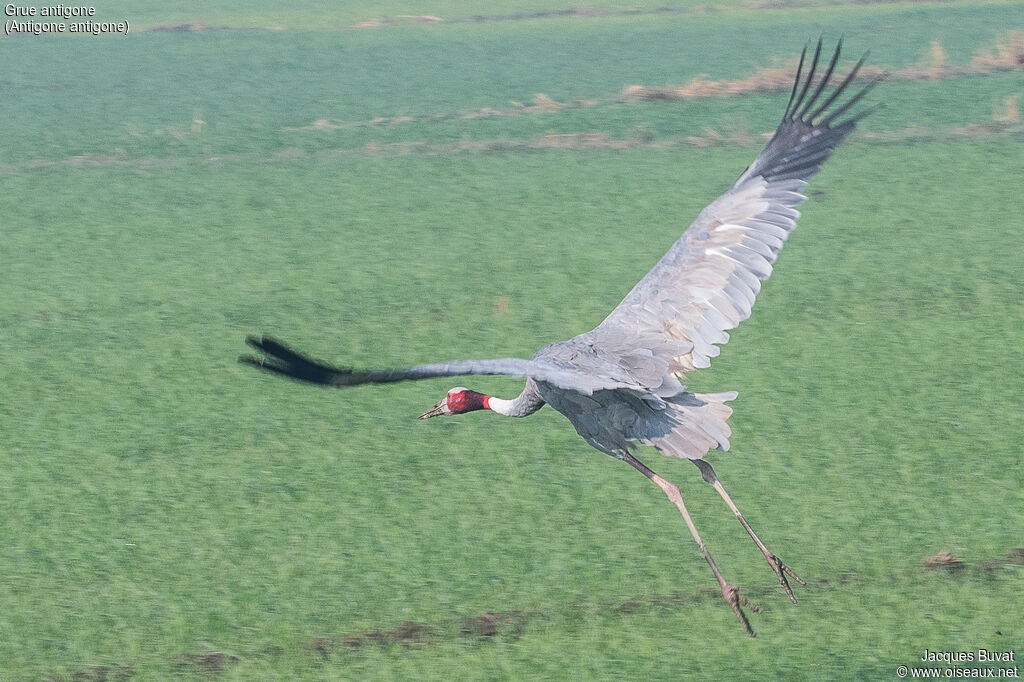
{"x":827,"y":121}
{"x":810,"y":78}
{"x":813,"y":122}
{"x":822,"y":84}
{"x":796,"y":84}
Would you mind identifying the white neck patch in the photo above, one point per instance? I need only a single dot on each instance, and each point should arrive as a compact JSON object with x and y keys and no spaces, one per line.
{"x":500,"y":405}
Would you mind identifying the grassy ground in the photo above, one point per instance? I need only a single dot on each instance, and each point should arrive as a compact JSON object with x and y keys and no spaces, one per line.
{"x":168,"y":512}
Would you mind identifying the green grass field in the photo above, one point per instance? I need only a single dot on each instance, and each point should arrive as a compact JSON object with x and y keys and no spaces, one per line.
{"x":423,"y":191}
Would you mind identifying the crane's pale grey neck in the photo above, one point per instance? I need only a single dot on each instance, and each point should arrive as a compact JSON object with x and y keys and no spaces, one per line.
{"x":528,"y":402}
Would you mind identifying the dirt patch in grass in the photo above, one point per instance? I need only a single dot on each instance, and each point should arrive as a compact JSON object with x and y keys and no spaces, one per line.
{"x":1004,"y":124}
{"x":1014,"y":557}
{"x":409,"y":634}
{"x":511,"y":625}
{"x":323,"y":646}
{"x":208,"y":663}
{"x":95,"y":673}
{"x":493,"y":623}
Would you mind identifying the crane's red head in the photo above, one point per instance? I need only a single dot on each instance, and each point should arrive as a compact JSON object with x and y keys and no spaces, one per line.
{"x":457,"y":401}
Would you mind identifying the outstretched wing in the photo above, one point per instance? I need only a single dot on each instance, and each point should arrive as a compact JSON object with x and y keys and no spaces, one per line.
{"x":278,"y":358}
{"x":707,"y":281}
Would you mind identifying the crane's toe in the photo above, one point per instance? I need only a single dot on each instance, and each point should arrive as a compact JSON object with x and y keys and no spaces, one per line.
{"x":737,"y":601}
{"x":782,"y":570}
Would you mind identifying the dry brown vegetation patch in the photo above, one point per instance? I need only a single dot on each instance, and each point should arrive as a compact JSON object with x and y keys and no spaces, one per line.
{"x":1007,"y":53}
{"x":598,"y":140}
{"x":764,"y":79}
{"x":945,"y":560}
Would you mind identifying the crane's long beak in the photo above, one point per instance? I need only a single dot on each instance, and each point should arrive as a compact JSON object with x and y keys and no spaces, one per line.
{"x":436,"y":410}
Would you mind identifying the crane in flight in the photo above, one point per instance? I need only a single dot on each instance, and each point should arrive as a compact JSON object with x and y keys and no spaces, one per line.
{"x":619,"y":384}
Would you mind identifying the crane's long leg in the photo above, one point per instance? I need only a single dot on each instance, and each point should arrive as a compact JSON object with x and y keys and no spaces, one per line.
{"x":780,"y":568}
{"x":730,"y":592}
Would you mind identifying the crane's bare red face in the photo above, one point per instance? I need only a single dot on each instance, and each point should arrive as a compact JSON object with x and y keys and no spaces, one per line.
{"x":458,"y":401}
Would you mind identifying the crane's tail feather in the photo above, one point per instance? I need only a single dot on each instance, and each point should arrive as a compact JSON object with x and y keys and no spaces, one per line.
{"x":692,"y":424}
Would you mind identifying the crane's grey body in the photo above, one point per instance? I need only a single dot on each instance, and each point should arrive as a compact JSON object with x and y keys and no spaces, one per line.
{"x":619,"y":384}
{"x":652,"y":410}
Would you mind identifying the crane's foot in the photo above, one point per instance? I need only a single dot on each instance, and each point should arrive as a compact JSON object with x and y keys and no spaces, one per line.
{"x":782,"y":570}
{"x":736,"y":600}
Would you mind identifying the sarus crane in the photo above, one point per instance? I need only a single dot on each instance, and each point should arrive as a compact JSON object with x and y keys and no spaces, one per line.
{"x":619,"y":384}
